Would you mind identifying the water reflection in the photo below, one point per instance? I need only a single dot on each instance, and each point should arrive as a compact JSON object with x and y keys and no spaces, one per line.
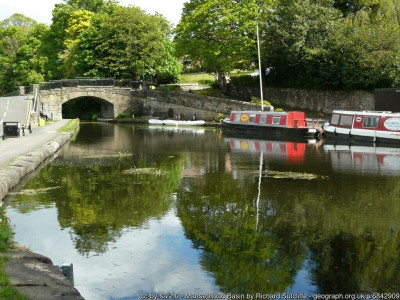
{"x":368,"y":159}
{"x":194,"y":215}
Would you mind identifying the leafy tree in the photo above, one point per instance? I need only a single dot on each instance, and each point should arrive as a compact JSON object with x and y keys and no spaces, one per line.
{"x":298,"y":30}
{"x":361,"y":55}
{"x":54,"y":41}
{"x":128,"y":43}
{"x":222,"y":34}
{"x":20,"y":61}
{"x":78,"y":22}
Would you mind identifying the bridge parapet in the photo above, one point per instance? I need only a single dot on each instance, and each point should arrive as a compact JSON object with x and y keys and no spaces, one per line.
{"x":96,"y":82}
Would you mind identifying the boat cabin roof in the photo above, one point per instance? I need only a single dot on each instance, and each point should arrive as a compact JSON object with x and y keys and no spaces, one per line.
{"x":278,"y":113}
{"x":367,"y":113}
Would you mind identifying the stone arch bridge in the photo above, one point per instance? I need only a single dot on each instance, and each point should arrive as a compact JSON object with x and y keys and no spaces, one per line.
{"x":123,"y":96}
{"x":114,"y":96}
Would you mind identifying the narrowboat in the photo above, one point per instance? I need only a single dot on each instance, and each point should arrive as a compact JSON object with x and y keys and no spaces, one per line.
{"x":372,"y":126}
{"x":269,"y":123}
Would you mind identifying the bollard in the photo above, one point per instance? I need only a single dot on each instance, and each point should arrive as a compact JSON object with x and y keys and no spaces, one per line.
{"x":68,"y":271}
{"x":23,"y":130}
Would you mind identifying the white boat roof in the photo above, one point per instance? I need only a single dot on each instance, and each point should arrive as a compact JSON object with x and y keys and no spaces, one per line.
{"x":366,"y":113}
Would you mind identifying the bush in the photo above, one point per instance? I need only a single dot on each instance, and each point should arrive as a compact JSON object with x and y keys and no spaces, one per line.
{"x":206,"y":82}
{"x":170,"y":113}
{"x":245,"y":80}
{"x":219,"y":117}
{"x":171,"y":87}
{"x":209,"y":92}
{"x":257,"y":101}
{"x":123,"y":116}
{"x":278,"y":109}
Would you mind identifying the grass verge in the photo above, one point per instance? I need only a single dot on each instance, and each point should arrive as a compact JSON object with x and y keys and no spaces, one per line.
{"x":200,"y":78}
{"x":7,"y":291}
{"x":70,"y":126}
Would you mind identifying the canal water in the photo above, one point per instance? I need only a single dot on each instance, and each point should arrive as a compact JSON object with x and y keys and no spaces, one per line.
{"x":143,"y":211}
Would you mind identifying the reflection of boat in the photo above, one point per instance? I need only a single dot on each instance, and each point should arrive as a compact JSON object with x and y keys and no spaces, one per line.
{"x":370,"y":126}
{"x":176,"y":122}
{"x":267,"y":123}
{"x":378,"y":160}
{"x":292,"y":151}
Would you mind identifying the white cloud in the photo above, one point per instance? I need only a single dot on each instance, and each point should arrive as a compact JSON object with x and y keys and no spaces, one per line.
{"x":41,"y":10}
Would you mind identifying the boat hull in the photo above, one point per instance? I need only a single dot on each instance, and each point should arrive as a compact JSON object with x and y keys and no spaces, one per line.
{"x":260,"y":130}
{"x":372,"y":137}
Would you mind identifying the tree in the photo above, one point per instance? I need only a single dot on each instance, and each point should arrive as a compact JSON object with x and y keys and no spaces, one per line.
{"x":128,"y":43}
{"x":54,"y":40}
{"x":297,"y":31}
{"x":20,"y":61}
{"x":78,"y":22}
{"x":222,"y":34}
{"x":365,"y":53}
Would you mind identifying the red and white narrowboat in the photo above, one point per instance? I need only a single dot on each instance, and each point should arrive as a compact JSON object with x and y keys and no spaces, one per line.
{"x":270,"y":123}
{"x":371,"y":126}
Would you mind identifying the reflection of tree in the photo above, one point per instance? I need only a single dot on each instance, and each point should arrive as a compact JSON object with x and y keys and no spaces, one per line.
{"x":357,"y":238}
{"x":218,"y":215}
{"x":349,"y":226}
{"x":97,"y":201}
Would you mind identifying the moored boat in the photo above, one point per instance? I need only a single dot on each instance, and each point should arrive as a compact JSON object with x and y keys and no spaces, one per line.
{"x":176,"y":122}
{"x":269,"y":123}
{"x":372,"y":126}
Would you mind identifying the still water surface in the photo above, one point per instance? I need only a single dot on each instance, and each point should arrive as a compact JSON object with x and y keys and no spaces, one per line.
{"x":141,"y":210}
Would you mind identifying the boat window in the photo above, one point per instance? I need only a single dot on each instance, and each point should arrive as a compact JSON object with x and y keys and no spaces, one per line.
{"x":237,"y":118}
{"x":346,"y":120}
{"x":276,"y":119}
{"x":335,"y":119}
{"x":371,"y":122}
{"x":263,"y":119}
{"x":252,"y":118}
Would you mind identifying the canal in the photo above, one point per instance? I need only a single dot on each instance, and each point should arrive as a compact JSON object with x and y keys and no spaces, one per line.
{"x":150,"y":210}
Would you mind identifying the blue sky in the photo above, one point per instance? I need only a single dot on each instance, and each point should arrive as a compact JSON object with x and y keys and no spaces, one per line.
{"x":40,"y":10}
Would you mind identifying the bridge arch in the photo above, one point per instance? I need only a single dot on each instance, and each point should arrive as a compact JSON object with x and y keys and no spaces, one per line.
{"x":85,"y":107}
{"x":112,"y":100}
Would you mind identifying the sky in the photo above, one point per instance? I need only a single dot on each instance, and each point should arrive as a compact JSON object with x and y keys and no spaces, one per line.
{"x":40,"y":10}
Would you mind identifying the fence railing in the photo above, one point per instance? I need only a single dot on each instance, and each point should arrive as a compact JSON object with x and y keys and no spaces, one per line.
{"x":95,"y":82}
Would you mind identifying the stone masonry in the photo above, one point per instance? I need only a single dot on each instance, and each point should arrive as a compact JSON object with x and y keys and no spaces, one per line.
{"x":115,"y":100}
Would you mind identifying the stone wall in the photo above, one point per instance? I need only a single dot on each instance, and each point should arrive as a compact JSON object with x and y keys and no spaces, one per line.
{"x":157,"y":103}
{"x":316,"y":100}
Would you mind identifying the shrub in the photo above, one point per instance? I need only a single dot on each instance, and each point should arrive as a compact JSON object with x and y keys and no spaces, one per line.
{"x":209,"y":92}
{"x":219,"y":117}
{"x":278,"y":109}
{"x":171,"y":87}
{"x":170,"y":113}
{"x":206,"y":82}
{"x":257,"y":101}
{"x":245,"y":80}
{"x":123,"y":116}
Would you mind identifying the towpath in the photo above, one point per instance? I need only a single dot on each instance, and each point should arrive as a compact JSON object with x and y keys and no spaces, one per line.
{"x":13,"y":147}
